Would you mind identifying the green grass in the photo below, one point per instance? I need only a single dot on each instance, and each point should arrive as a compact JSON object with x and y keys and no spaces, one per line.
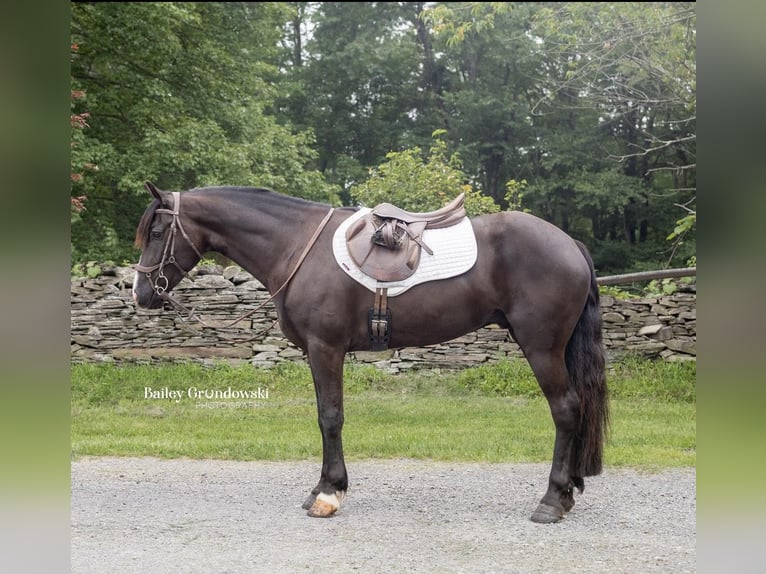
{"x":491,"y":413}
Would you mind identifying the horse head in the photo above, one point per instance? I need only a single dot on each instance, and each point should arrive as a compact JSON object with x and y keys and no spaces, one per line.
{"x":168,"y":240}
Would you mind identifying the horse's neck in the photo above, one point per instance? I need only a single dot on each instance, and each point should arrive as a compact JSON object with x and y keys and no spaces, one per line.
{"x":264,"y":238}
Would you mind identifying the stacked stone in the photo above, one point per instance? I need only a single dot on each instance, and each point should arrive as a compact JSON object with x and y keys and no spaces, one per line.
{"x":107,"y":326}
{"x":652,"y":327}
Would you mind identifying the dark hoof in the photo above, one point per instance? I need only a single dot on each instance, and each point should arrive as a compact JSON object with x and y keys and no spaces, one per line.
{"x":545,"y":514}
{"x":309,"y":502}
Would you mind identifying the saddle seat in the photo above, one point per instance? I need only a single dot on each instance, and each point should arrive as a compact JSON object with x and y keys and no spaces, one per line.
{"x":386,"y":243}
{"x":448,"y":215}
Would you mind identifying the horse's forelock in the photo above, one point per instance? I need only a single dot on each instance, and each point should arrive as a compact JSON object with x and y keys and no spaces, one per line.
{"x":142,"y":233}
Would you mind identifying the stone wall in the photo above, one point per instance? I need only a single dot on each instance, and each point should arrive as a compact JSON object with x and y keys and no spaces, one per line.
{"x":106,"y":326}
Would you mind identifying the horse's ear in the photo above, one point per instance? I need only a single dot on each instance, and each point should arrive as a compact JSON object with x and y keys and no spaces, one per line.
{"x":151,"y":188}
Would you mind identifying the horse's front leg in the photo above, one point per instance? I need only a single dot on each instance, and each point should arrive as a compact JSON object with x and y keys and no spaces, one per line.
{"x":327,"y":369}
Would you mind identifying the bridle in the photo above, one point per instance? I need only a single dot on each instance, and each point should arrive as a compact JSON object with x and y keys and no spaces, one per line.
{"x":168,"y":258}
{"x":168,"y":253}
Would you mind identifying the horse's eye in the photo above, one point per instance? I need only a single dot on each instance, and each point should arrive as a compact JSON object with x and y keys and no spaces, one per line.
{"x":156,"y":234}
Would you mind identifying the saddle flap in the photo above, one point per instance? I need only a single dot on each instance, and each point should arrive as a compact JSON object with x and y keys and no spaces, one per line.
{"x":386,"y":243}
{"x":382,"y":263}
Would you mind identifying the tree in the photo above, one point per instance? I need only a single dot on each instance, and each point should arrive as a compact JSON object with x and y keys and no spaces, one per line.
{"x":354,"y":83}
{"x":634,"y":63}
{"x":417,"y":182}
{"x":581,"y":113}
{"x":178,"y":93}
{"x":484,"y":88}
{"x":599,"y":117}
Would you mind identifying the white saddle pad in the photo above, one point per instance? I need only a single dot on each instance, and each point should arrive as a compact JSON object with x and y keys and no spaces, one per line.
{"x":454,"y":250}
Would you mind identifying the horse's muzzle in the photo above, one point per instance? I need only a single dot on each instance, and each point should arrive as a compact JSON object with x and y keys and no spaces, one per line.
{"x":147,"y":299}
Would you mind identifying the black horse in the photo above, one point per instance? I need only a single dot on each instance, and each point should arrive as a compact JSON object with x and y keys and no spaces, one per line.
{"x":529,"y":277}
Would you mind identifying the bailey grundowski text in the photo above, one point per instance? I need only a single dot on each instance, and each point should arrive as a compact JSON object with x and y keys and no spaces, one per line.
{"x":177,"y":395}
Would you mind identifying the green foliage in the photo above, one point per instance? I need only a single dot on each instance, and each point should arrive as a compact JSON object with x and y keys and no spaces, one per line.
{"x":665,"y":286}
{"x":661,"y":287}
{"x":446,"y":21}
{"x":632,"y":67}
{"x":628,"y":378}
{"x":582,"y":113}
{"x":178,"y":93}
{"x":356,"y":84}
{"x":683,"y":234}
{"x":418,"y":184}
{"x":90,"y":269}
{"x":360,"y":378}
{"x":446,"y":416}
{"x":514,"y":195}
{"x":614,"y":291}
{"x":635,"y":378}
{"x":631,"y":377}
{"x":684,"y":226}
{"x":612,"y":256}
{"x":504,"y":379}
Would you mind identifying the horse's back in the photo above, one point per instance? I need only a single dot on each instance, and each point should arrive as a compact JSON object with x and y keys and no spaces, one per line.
{"x":527,"y":242}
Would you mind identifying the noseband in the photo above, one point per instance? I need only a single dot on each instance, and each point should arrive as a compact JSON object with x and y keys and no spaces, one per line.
{"x":168,"y":253}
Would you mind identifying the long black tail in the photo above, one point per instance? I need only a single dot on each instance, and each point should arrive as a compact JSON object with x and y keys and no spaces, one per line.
{"x":586,"y":363}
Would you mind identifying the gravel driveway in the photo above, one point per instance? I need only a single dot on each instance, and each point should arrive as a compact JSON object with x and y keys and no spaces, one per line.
{"x":146,"y":516}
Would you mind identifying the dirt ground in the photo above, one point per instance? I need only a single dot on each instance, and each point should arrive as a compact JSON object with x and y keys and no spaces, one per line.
{"x":145,"y":516}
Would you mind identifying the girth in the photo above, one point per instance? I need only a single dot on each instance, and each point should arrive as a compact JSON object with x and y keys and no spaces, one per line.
{"x":379,"y":321}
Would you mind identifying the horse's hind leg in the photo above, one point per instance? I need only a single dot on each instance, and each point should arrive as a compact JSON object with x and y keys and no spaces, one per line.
{"x":327,"y":369}
{"x":551,"y":372}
